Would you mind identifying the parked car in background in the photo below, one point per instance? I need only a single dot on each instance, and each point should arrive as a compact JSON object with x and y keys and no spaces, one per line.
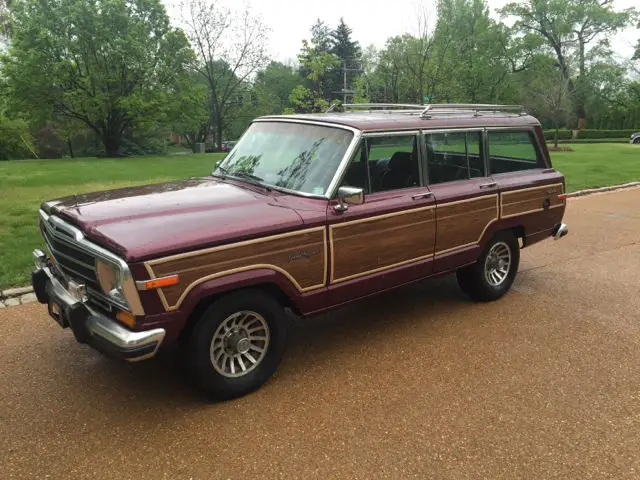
{"x":227,"y":146}
{"x":635,"y":138}
{"x":307,"y":213}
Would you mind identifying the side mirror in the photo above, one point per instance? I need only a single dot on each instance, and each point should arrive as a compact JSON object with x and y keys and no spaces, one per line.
{"x":349,"y":196}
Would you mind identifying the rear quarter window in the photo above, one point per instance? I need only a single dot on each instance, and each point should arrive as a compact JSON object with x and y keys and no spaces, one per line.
{"x":512,"y":151}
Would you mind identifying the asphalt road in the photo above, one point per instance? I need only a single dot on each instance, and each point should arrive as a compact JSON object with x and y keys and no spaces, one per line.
{"x":418,"y":383}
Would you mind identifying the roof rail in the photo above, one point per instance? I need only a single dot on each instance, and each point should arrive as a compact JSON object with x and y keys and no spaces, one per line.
{"x":371,"y":106}
{"x":476,"y":108}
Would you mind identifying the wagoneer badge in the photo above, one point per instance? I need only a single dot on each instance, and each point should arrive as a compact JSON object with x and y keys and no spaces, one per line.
{"x":298,"y":255}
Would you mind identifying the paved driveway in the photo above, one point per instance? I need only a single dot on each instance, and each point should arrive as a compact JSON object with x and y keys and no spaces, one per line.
{"x":418,"y":383}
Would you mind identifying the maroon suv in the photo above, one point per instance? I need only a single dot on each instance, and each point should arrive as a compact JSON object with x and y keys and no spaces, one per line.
{"x":308,"y":212}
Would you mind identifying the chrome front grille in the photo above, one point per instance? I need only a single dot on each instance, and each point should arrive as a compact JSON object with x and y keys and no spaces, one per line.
{"x":73,"y":262}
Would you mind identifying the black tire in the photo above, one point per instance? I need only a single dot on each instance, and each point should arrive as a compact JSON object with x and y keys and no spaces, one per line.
{"x":474,"y":282}
{"x":636,"y":140}
{"x":197,"y":349}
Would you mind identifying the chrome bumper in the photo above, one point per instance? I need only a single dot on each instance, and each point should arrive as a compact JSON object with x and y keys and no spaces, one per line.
{"x":560,"y":231}
{"x":89,"y":326}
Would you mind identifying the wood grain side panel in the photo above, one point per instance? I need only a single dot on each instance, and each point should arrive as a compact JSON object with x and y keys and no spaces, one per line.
{"x":363,"y":247}
{"x":529,"y":200}
{"x":301,"y":257}
{"x":463,"y":223}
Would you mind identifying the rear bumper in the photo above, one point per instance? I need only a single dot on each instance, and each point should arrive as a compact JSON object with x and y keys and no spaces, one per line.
{"x":91,"y":327}
{"x":559,"y":231}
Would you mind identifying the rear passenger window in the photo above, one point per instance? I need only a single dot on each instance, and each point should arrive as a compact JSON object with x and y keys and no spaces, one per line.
{"x":512,"y":151}
{"x":454,"y":156}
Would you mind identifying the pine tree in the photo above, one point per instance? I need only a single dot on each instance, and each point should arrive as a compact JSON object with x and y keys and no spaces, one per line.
{"x":348,"y":52}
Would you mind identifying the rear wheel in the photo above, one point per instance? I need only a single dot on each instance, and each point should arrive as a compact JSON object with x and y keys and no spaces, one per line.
{"x":237,"y":344}
{"x":493,"y":274}
{"x":636,"y":140}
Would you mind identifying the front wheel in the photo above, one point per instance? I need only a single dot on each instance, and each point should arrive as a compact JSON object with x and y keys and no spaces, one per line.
{"x":492,"y":275}
{"x":237,"y":344}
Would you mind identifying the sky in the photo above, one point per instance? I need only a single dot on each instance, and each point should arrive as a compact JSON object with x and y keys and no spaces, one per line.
{"x":290,"y":20}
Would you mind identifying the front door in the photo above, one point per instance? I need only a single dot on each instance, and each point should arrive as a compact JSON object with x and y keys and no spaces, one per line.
{"x":390,"y":237}
{"x":466,"y":196}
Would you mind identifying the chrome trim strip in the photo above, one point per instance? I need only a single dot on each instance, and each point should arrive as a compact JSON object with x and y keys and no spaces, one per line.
{"x":79,"y":240}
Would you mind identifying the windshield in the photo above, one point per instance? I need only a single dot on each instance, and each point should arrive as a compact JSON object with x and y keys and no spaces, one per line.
{"x":295,"y":156}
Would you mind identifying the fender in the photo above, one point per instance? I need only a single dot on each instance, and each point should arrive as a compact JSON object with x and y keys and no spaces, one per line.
{"x":238,"y":280}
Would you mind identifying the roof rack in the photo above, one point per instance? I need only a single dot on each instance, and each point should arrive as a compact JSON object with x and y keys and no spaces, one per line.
{"x":371,"y":106}
{"x":475,"y":108}
{"x":431,"y":109}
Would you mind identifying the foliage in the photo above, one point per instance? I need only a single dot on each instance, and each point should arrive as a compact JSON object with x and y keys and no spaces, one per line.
{"x":317,"y":64}
{"x":230,"y":48}
{"x":107,"y":63}
{"x":15,"y":139}
{"x":568,"y":27}
{"x":589,"y":134}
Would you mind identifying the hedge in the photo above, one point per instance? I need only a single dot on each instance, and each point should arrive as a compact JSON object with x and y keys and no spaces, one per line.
{"x":585,"y":134}
{"x":565,"y":134}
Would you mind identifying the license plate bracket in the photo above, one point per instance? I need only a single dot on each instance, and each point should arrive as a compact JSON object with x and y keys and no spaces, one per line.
{"x":56,"y":311}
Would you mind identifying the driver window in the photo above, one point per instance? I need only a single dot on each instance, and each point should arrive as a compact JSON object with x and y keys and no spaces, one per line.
{"x":384,"y":163}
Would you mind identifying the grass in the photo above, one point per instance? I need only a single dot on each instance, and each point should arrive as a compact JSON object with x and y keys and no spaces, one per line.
{"x":598,"y":165}
{"x":25,"y":184}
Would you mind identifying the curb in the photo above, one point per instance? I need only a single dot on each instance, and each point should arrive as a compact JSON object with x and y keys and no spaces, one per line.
{"x":23,"y":295}
{"x":17,"y":296}
{"x":591,"y":191}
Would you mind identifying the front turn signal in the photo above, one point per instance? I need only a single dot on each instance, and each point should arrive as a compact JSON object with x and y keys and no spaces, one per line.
{"x":158,"y":282}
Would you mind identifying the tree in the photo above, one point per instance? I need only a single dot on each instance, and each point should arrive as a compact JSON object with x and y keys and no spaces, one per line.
{"x":190,"y":116}
{"x":550,"y":97}
{"x":476,"y":61}
{"x":312,"y":98}
{"x":568,"y":27}
{"x":348,"y":53}
{"x":107,"y":63}
{"x":272,"y":87}
{"x":230,"y":49}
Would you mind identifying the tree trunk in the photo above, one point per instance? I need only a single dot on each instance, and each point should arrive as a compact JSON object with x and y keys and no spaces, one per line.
{"x":70,"y":147}
{"x":555,"y":136}
{"x":580,"y":97}
{"x":112,"y":141}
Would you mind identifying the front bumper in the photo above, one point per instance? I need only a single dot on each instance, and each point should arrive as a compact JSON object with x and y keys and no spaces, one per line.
{"x":91,"y":327}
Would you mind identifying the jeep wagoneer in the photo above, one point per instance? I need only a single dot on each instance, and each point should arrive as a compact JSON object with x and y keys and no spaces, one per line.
{"x":306,"y":212}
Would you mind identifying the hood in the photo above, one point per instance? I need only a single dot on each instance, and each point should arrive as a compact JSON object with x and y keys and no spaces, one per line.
{"x":154,"y":220}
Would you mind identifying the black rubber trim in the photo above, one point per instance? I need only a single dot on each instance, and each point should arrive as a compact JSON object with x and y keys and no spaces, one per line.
{"x":39,"y":281}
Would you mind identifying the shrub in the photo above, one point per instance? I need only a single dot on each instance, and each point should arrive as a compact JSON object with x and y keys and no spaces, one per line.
{"x":588,"y":134}
{"x":15,"y":139}
{"x":563,"y":134}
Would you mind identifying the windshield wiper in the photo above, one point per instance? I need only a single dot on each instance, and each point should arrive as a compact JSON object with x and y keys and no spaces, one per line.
{"x":220,"y":170}
{"x":249,"y":176}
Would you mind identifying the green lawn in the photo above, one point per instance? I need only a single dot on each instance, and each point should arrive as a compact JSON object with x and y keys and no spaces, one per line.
{"x":25,"y":184}
{"x":598,"y":164}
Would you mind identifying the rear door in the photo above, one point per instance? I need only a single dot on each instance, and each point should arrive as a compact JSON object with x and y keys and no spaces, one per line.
{"x":529,"y":187}
{"x":466,"y":196}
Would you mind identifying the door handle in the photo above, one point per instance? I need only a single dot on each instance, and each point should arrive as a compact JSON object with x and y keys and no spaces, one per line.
{"x":488,"y":185}
{"x":422,"y":195}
